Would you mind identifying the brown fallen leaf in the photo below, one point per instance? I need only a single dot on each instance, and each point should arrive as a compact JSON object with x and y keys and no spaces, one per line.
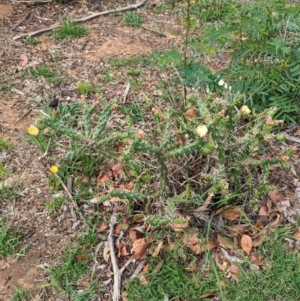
{"x":275,"y":196}
{"x":146,"y":268}
{"x":117,"y":199}
{"x":259,"y":240}
{"x":104,"y":177}
{"x":143,"y":279}
{"x":122,"y":250}
{"x":206,"y":203}
{"x":208,"y":295}
{"x":231,"y":214}
{"x":158,"y":248}
{"x":296,"y":234}
{"x":157,"y":267}
{"x":226,"y":242}
{"x":118,"y":229}
{"x":255,"y":259}
{"x":201,"y":247}
{"x":102,"y":227}
{"x":106,"y":252}
{"x":171,"y":246}
{"x":235,"y":271}
{"x":246,"y":243}
{"x":263,"y":211}
{"x":178,"y":227}
{"x":81,"y":257}
{"x":117,"y":169}
{"x":222,"y":209}
{"x":237,"y":229}
{"x":95,"y":200}
{"x":197,"y":248}
{"x":191,"y":113}
{"x":139,"y":248}
{"x":191,"y":236}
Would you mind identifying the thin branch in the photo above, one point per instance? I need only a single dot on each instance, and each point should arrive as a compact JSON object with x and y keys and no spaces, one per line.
{"x":72,"y":200}
{"x":21,"y":21}
{"x":83,"y":19}
{"x":46,"y":152}
{"x":27,"y":112}
{"x":292,"y":138}
{"x":117,"y":274}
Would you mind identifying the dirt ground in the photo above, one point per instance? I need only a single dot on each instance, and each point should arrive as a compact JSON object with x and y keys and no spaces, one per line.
{"x":44,"y":236}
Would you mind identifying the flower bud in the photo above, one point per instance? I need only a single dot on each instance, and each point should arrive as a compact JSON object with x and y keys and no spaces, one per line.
{"x":201,"y":130}
{"x":245,"y":110}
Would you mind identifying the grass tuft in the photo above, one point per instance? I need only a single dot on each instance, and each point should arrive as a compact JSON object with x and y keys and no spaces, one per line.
{"x":70,"y":30}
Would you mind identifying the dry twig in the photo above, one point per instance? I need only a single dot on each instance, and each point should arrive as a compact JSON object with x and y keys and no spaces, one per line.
{"x":83,"y":19}
{"x":21,"y":21}
{"x":72,"y":200}
{"x":116,"y":270}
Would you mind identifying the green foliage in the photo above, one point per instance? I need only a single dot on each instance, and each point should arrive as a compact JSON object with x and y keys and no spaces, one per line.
{"x":87,"y":88}
{"x":54,"y":204}
{"x":70,"y":30}
{"x":5,"y":88}
{"x":168,"y":59}
{"x":9,"y":238}
{"x":175,"y":280}
{"x":128,"y":62}
{"x":262,"y":38}
{"x":134,"y":72}
{"x":21,"y":294}
{"x":74,"y":266}
{"x":133,"y":19}
{"x":278,"y":262}
{"x":44,"y":71}
{"x":4,"y":144}
{"x":134,"y":111}
{"x":33,"y":41}
{"x":172,"y":281}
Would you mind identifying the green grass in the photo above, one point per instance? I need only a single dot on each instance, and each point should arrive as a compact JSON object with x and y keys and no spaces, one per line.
{"x":6,"y":193}
{"x":128,"y":62}
{"x":70,"y":30}
{"x":21,"y":294}
{"x":33,"y":41}
{"x":133,"y":72}
{"x":9,"y":238}
{"x":172,"y":281}
{"x":5,"y":88}
{"x":44,"y":71}
{"x":87,"y":88}
{"x":74,"y":266}
{"x":4,"y":144}
{"x":134,"y":111}
{"x":279,"y":280}
{"x":55,"y":204}
{"x":133,"y":19}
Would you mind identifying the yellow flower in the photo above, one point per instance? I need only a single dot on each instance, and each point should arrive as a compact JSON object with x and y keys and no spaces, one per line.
{"x":33,"y":130}
{"x":54,"y":169}
{"x":201,"y":130}
{"x":245,"y":110}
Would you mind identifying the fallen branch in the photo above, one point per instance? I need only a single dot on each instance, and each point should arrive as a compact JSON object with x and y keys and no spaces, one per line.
{"x":30,"y":2}
{"x":113,"y":258}
{"x":72,"y":200}
{"x":292,"y":138}
{"x":86,"y":18}
{"x":21,"y":21}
